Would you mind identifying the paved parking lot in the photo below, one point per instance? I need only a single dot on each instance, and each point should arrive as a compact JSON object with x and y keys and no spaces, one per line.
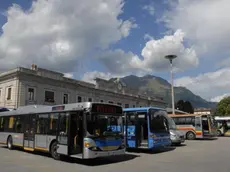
{"x":198,"y":156}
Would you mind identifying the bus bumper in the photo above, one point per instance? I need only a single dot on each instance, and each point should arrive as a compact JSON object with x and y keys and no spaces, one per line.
{"x":89,"y":154}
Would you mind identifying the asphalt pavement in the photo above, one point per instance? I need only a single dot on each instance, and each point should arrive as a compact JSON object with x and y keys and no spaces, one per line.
{"x":194,"y":156}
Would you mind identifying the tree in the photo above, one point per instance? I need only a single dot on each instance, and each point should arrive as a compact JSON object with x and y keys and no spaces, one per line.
{"x":180,"y":105}
{"x":188,"y":107}
{"x":223,"y":107}
{"x":185,"y":106}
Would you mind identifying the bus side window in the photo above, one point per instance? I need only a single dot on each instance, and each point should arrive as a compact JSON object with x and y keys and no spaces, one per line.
{"x":42,"y":123}
{"x":193,"y":121}
{"x":1,"y":124}
{"x":6,"y":123}
{"x":18,"y":125}
{"x":181,"y":121}
{"x":188,"y":120}
{"x":53,"y":123}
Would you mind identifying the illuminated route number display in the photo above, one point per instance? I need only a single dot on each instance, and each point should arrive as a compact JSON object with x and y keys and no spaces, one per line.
{"x":99,"y":108}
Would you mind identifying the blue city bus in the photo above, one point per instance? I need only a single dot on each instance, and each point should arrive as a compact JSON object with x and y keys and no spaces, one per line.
{"x":146,"y":128}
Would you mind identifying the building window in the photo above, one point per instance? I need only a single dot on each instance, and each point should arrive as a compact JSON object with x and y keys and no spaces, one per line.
{"x":102,"y":101}
{"x":9,"y":93}
{"x":31,"y":94}
{"x":0,"y":92}
{"x":90,"y":99}
{"x":110,"y":102}
{"x":49,"y":96}
{"x":119,"y":104}
{"x":79,"y":99}
{"x":126,"y":105}
{"x":65,"y":98}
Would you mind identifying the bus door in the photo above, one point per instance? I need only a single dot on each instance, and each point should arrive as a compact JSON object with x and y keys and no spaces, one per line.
{"x":205,"y":125}
{"x":198,"y":127}
{"x":29,"y":132}
{"x":132,"y":130}
{"x":76,"y":133}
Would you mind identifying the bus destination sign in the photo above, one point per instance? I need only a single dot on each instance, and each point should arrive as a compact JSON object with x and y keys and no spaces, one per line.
{"x":54,"y":108}
{"x":100,"y":108}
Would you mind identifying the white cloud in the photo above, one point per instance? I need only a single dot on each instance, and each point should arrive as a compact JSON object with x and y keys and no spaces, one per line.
{"x":124,"y":63}
{"x":155,"y":51}
{"x":205,"y":22}
{"x":68,"y":75}
{"x":118,"y":61}
{"x":149,"y":8}
{"x":219,"y":98}
{"x":148,"y":37}
{"x":55,"y":35}
{"x":207,"y":85}
{"x":90,"y":76}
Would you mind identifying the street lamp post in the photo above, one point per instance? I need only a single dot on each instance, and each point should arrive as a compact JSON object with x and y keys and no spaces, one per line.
{"x":170,"y":58}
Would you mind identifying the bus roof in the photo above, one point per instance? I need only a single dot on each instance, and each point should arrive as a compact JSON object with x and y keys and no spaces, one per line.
{"x":32,"y":109}
{"x":222,"y":117}
{"x":184,"y":115}
{"x":141,"y":109}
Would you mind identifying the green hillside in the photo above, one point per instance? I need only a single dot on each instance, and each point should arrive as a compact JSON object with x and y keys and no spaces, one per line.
{"x":156,"y":85}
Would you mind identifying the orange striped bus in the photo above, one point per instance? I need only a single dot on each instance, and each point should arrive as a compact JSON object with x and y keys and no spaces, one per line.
{"x":195,"y":125}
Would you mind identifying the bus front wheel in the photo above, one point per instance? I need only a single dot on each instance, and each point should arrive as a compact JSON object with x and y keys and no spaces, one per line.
{"x":190,"y":135}
{"x":10,"y":143}
{"x":55,"y":155}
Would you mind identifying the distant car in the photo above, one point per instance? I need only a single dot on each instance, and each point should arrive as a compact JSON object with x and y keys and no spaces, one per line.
{"x":177,"y":137}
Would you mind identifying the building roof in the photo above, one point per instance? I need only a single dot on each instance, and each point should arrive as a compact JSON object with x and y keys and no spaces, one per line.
{"x":60,"y":76}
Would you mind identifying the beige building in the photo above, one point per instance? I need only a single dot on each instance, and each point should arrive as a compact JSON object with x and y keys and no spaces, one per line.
{"x":23,"y":86}
{"x":203,"y":111}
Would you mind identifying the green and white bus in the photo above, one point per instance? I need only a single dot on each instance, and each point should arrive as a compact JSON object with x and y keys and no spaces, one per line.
{"x":80,"y":130}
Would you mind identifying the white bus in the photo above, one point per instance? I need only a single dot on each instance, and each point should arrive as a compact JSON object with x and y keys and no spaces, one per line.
{"x":223,"y":125}
{"x":195,"y":125}
{"x":81,"y":130}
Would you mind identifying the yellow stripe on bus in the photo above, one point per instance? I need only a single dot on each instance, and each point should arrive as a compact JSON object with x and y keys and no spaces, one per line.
{"x":28,"y":149}
{"x":16,"y":144}
{"x":41,"y":149}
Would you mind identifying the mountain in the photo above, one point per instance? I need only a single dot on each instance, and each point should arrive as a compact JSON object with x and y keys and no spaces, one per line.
{"x":156,"y":85}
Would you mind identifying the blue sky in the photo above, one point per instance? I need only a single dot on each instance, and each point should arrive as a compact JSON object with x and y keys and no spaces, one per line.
{"x":114,"y":43}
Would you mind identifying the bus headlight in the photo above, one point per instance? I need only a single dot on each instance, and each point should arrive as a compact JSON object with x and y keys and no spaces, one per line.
{"x":88,"y":144}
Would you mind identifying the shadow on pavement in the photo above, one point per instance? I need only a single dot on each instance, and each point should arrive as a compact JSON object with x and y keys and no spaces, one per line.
{"x":101,"y":161}
{"x":88,"y":162}
{"x":162,"y":150}
{"x":181,"y":145}
{"x":207,"y":139}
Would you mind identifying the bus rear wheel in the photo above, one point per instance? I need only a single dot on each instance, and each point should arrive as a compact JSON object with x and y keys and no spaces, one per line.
{"x":190,"y":135}
{"x":55,"y":155}
{"x":10,"y":143}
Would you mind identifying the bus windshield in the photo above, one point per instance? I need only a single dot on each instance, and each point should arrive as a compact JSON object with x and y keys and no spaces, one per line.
{"x":171,"y":123}
{"x":104,"y":125}
{"x":158,"y":121}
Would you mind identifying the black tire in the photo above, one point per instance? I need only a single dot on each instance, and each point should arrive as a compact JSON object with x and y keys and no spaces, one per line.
{"x":10,"y":143}
{"x":190,"y":135}
{"x":53,"y":151}
{"x":219,"y":133}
